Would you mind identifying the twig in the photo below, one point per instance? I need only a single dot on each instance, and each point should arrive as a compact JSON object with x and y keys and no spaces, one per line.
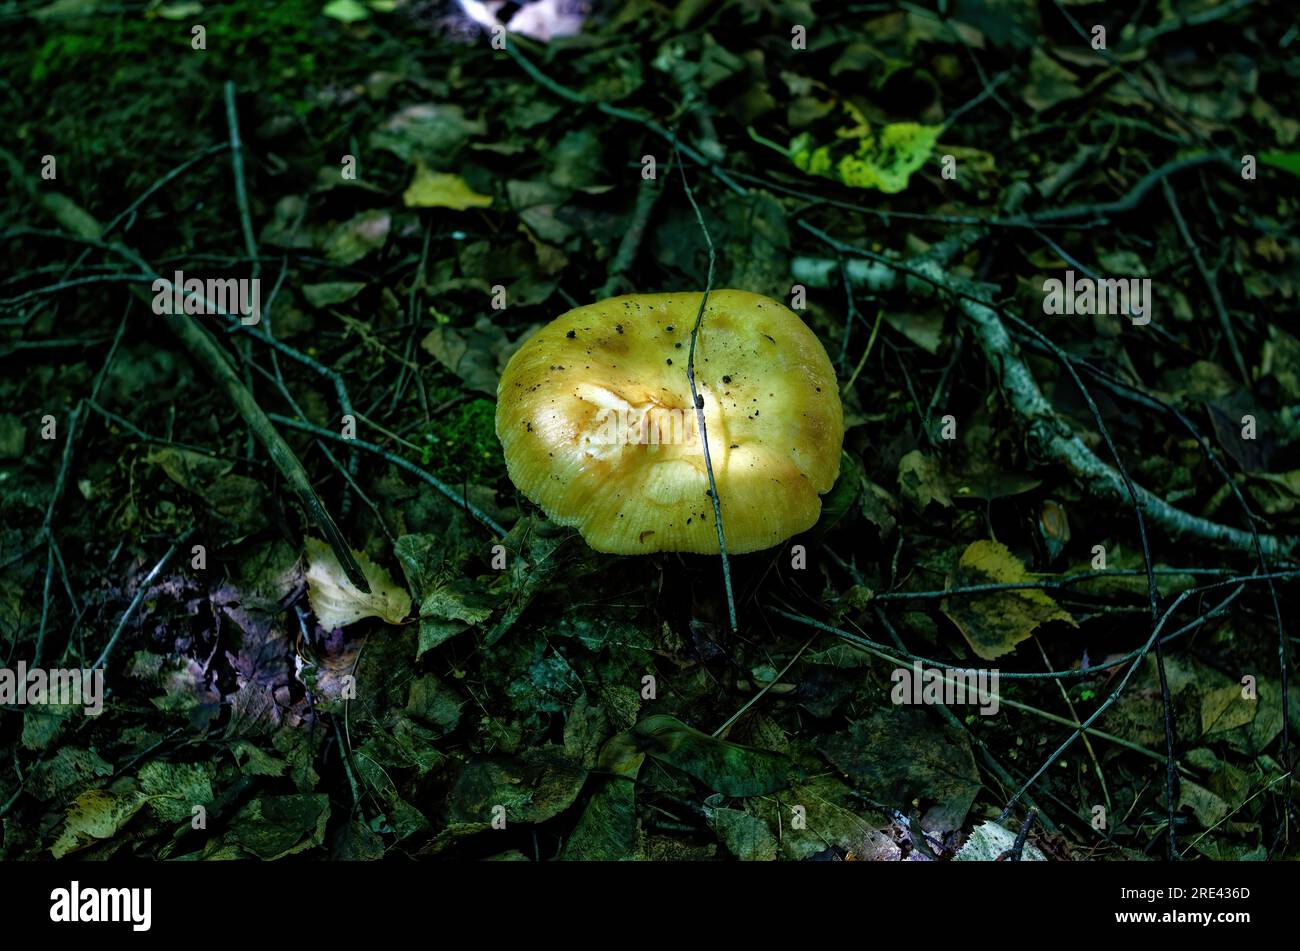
{"x":1147,"y":36}
{"x":870,"y":646}
{"x":237,"y":165}
{"x":140,"y":593}
{"x":46,"y":527}
{"x":482,"y":517}
{"x":1047,"y":584}
{"x":646,"y":198}
{"x":862,"y":361}
{"x":698,"y":402}
{"x":201,"y":345}
{"x":883,"y":652}
{"x":1126,"y":391}
{"x":1147,"y":93}
{"x":1087,"y":744}
{"x":1106,"y":704}
{"x":1051,"y":437}
{"x":850,"y":312}
{"x":1133,"y":197}
{"x":766,"y":687}
{"x":1017,"y":850}
{"x":1216,"y":298}
{"x":616,"y":112}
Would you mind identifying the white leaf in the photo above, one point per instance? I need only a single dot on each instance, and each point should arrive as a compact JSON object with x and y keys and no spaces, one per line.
{"x":337,"y":603}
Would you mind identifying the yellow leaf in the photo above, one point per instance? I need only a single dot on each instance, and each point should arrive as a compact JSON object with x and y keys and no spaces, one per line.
{"x":1226,"y":709}
{"x":336,"y":603}
{"x":96,"y":814}
{"x":883,"y":159}
{"x":430,"y":189}
{"x":994,"y":623}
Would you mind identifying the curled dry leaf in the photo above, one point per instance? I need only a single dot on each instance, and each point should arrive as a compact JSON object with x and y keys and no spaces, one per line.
{"x":337,"y":603}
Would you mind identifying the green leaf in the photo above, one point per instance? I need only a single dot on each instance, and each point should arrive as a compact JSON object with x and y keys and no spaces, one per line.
{"x":532,"y":788}
{"x":272,"y":827}
{"x":607,"y":829}
{"x":728,"y":768}
{"x":1286,"y":161}
{"x":332,"y":292}
{"x":864,"y":157}
{"x":845,"y":491}
{"x":746,"y":837}
{"x":430,"y":189}
{"x":174,"y":789}
{"x":346,"y":11}
{"x":96,"y":814}
{"x":361,"y":234}
{"x":900,"y":754}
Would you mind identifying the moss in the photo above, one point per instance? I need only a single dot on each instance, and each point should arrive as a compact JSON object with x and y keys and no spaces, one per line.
{"x":463,"y":446}
{"x":127,"y":98}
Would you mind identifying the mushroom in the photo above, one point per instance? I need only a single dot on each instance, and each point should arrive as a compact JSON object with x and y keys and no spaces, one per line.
{"x":595,"y":416}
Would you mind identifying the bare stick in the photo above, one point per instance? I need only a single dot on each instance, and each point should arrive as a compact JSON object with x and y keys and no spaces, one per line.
{"x":140,"y":593}
{"x":1215,"y":297}
{"x":237,"y":164}
{"x":482,"y":517}
{"x":1053,"y":439}
{"x":698,"y":402}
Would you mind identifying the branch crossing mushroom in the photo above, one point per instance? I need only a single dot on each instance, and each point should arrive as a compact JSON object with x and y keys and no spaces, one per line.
{"x":595,"y":416}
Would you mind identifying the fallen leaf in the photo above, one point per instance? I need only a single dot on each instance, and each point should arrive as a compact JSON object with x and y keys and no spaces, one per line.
{"x":96,"y":814}
{"x":271,"y":827}
{"x":1226,"y":709}
{"x":475,"y":355}
{"x":901,"y":754}
{"x":426,"y":128}
{"x":532,"y":788}
{"x":994,"y":623}
{"x":745,"y":836}
{"x":1049,"y":83}
{"x":346,"y":11}
{"x":883,"y":159}
{"x":920,"y":481}
{"x":336,"y":603}
{"x":332,"y":292}
{"x":989,"y":840}
{"x":430,"y":189}
{"x":358,"y":236}
{"x":728,"y":768}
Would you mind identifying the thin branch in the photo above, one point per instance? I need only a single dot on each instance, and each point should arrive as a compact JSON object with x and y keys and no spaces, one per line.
{"x":1225,"y":322}
{"x":140,"y":594}
{"x":698,"y":402}
{"x":1046,"y":431}
{"x":482,"y":517}
{"x":237,"y":165}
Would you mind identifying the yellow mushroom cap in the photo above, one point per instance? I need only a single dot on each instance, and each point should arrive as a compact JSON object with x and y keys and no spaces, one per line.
{"x":595,"y":416}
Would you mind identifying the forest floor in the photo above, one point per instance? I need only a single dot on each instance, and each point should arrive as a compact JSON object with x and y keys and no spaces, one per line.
{"x":1098,"y":508}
